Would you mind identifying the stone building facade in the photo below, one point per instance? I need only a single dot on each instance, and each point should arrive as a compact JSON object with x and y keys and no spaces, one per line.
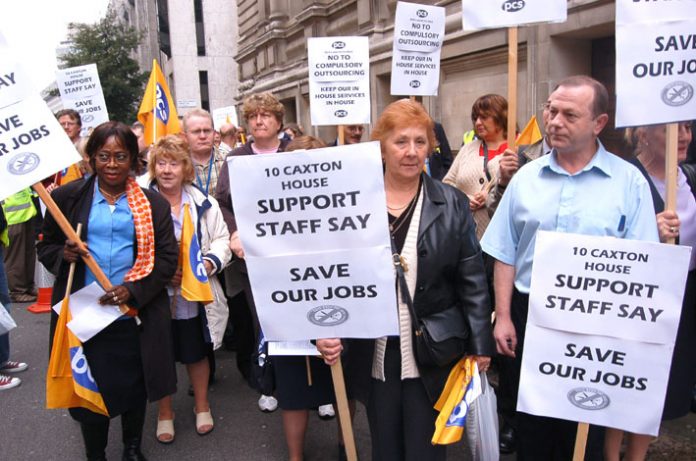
{"x":272,"y":56}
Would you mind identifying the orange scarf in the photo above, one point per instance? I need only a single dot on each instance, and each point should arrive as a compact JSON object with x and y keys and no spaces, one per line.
{"x":144,"y":232}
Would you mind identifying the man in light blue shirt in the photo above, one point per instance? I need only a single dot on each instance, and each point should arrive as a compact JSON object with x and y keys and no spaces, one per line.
{"x":579,"y":188}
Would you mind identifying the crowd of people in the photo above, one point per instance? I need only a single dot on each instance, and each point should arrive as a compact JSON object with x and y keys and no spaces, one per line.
{"x":464,"y":229}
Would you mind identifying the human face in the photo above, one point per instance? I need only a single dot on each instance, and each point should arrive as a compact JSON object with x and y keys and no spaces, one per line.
{"x":70,"y":126}
{"x":169,"y":174}
{"x":404,"y":152}
{"x":571,"y":125}
{"x":487,"y":129}
{"x":264,"y":126}
{"x":112,"y":164}
{"x":353,"y":133}
{"x":199,"y":134}
{"x":654,"y":140}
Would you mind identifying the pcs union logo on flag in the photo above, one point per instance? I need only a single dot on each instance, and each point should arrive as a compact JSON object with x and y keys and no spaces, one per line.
{"x":162,"y":106}
{"x":196,"y":261}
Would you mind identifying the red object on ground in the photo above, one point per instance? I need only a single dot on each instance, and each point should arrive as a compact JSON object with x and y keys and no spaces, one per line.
{"x":43,"y":301}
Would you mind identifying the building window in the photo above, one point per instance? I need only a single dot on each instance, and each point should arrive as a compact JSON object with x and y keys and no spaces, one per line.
{"x":200,"y":30}
{"x":203,"y":81}
{"x":163,"y":26}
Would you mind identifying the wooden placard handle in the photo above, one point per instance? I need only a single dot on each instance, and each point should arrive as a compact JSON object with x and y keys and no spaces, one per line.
{"x":512,"y":87}
{"x":343,"y":410}
{"x":671,"y":169}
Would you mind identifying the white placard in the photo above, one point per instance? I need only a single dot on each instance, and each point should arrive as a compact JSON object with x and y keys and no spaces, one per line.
{"x":603,"y":316}
{"x":221,"y":115}
{"x":608,"y":286}
{"x":292,"y":348}
{"x":80,"y":89}
{"x":33,"y":145}
{"x":418,"y":34}
{"x":507,"y":13}
{"x":655,"y":62}
{"x":15,"y":84}
{"x":594,"y":379}
{"x":339,"y":80}
{"x":315,"y":235}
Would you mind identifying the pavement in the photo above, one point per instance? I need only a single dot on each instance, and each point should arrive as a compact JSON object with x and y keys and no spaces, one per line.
{"x":242,"y":432}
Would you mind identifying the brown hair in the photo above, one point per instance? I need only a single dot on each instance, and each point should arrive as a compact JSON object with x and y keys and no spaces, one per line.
{"x":172,"y":147}
{"x":263,"y":102}
{"x":305,"y":143}
{"x":403,"y":113}
{"x":72,"y":113}
{"x":600,"y":103}
{"x":494,"y":106}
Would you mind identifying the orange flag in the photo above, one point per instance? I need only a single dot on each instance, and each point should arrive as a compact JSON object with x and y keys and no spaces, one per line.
{"x":69,"y":381}
{"x":530,"y":134}
{"x":157,"y":110}
{"x":194,"y":279}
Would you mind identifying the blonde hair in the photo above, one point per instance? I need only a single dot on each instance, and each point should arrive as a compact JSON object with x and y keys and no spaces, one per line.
{"x":172,"y":147}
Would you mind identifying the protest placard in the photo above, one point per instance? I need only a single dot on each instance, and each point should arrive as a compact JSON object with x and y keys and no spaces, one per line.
{"x":80,"y":89}
{"x":506,"y":13}
{"x":315,"y":235}
{"x":418,"y":34}
{"x":601,"y":328}
{"x":222,"y":115}
{"x":339,"y":80}
{"x":655,"y":62}
{"x":14,"y":82}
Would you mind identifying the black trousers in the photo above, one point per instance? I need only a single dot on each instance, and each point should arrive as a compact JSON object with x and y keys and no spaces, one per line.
{"x":95,"y":432}
{"x":400,"y":415}
{"x":540,"y":437}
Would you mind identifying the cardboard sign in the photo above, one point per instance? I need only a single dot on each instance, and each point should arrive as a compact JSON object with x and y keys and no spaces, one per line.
{"x":418,"y":34}
{"x":339,"y":80}
{"x":655,"y":62}
{"x":80,"y":89}
{"x":493,"y":14}
{"x":603,"y":317}
{"x":223,"y":114}
{"x":315,"y":234}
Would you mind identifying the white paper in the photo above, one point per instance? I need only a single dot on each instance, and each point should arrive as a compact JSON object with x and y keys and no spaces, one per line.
{"x":80,"y":89}
{"x":339,"y":80}
{"x":88,"y":316}
{"x":292,"y":348}
{"x":492,"y":14}
{"x":313,"y":225}
{"x":418,"y":34}
{"x":655,"y":62}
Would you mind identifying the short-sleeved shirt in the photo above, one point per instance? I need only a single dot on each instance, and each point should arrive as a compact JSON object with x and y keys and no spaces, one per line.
{"x":608,"y":197}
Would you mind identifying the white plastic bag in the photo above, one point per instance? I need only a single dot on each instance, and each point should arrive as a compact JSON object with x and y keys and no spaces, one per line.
{"x":6,"y":321}
{"x":482,"y":425}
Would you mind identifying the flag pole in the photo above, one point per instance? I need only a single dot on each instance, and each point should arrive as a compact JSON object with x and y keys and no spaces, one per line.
{"x":512,"y":86}
{"x":71,"y":273}
{"x":671,"y":169}
{"x":154,"y":102}
{"x":343,"y":410}
{"x":67,"y":229}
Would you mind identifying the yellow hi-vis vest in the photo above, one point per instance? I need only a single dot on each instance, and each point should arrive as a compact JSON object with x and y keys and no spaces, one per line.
{"x":19,"y":207}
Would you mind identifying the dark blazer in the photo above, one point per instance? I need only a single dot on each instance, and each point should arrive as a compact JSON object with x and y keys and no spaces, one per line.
{"x":148,"y":295}
{"x":450,"y":272}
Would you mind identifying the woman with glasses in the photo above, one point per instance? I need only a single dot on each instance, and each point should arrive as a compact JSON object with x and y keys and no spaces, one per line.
{"x":126,"y":230}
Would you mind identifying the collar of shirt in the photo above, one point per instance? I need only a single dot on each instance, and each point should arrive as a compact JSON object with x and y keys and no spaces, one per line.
{"x":599,"y":161}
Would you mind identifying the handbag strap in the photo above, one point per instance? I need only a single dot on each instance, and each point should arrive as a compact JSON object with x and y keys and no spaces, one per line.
{"x":405,"y":295}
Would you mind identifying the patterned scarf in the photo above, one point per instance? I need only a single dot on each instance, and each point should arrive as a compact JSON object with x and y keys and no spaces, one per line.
{"x":144,"y":232}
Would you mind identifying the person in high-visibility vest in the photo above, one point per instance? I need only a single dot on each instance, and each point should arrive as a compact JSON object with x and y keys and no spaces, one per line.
{"x":7,"y":366}
{"x":20,"y":256}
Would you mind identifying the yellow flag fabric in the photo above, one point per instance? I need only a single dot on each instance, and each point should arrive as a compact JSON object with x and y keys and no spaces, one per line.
{"x":70,"y":174}
{"x":157,"y":111}
{"x":69,"y":381}
{"x":530,"y":134}
{"x":460,"y":390}
{"x":194,"y":279}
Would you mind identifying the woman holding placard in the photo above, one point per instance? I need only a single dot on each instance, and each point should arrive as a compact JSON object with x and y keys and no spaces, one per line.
{"x":194,"y":326}
{"x":434,"y":237}
{"x":128,"y":232}
{"x":649,"y":147}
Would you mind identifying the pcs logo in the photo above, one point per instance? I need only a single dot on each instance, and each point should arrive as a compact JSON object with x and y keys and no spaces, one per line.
{"x":338,"y":45}
{"x":513,"y":6}
{"x":414,"y":83}
{"x":341,"y":113}
{"x":422,"y":13}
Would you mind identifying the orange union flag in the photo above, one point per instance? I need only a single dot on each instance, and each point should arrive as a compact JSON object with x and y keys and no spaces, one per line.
{"x":194,"y":279}
{"x":157,"y":111}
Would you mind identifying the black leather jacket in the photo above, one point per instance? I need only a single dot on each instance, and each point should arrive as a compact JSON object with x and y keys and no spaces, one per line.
{"x":450,"y":272}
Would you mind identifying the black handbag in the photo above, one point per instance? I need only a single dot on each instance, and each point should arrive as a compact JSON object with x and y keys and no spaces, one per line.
{"x":438,"y":339}
{"x":262,"y":375}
